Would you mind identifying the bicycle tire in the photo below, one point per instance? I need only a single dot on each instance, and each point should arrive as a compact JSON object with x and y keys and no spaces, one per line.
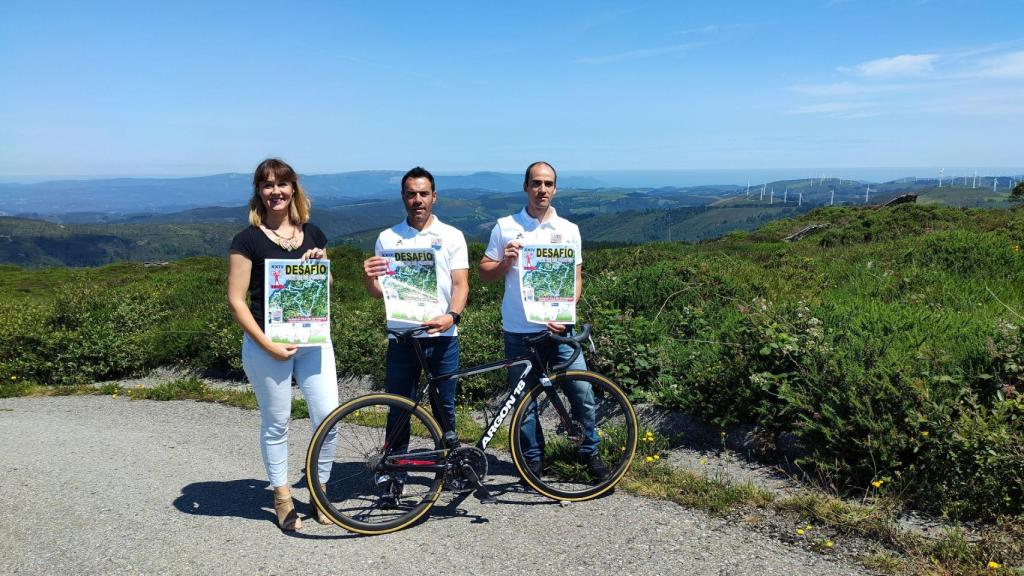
{"x":564,"y":475}
{"x":354,"y":499}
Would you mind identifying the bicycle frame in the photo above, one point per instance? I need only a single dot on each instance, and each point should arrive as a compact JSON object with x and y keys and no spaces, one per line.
{"x":530,"y":361}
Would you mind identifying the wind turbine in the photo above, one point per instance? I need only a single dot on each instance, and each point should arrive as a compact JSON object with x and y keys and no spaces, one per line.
{"x":832,"y":198}
{"x":771,"y":198}
{"x":867,"y":192}
{"x":941,"y":170}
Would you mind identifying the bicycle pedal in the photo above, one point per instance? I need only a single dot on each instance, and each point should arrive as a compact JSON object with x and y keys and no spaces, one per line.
{"x":485,"y":496}
{"x":483,"y":493}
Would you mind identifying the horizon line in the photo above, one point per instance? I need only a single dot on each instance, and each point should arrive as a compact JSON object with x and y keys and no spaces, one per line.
{"x":38,"y":179}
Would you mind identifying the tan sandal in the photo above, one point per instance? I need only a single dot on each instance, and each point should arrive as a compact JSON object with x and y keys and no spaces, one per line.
{"x":287,"y":519}
{"x":320,"y":516}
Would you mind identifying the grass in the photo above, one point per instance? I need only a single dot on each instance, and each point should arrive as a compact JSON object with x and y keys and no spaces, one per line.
{"x":693,"y":490}
{"x":180,"y":389}
{"x":824,"y":521}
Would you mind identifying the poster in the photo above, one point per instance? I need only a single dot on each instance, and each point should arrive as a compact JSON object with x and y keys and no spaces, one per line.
{"x":547,"y":282}
{"x":296,"y":301}
{"x":410,"y":286}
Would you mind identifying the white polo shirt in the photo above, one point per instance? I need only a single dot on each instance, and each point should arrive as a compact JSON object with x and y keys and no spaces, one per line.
{"x":449,"y":248}
{"x":525,"y":229}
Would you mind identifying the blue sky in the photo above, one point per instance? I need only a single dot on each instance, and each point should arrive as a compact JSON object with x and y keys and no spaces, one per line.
{"x":160,"y":88}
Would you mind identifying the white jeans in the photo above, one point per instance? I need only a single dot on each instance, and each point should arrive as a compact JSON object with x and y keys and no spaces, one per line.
{"x":271,"y":379}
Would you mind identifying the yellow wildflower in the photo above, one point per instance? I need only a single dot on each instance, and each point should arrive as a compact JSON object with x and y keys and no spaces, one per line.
{"x":878,"y":483}
{"x":650,"y":459}
{"x":828,"y":543}
{"x":657,"y":457}
{"x":993,"y":565}
{"x":703,"y":461}
{"x":799,"y":531}
{"x":924,"y":433}
{"x":808,"y":527}
{"x":14,"y":377}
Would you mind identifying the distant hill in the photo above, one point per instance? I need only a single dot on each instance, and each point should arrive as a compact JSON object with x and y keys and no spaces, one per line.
{"x":38,"y":243}
{"x":682,"y":224}
{"x":176,"y":194}
{"x":605,"y":215}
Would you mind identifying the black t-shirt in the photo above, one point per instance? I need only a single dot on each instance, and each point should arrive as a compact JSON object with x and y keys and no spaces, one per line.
{"x":254,"y":244}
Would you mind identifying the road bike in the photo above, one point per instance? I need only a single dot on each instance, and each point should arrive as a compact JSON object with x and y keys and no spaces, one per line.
{"x":391,"y":458}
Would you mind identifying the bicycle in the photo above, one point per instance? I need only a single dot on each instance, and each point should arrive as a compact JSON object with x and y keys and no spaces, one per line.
{"x":378,"y":485}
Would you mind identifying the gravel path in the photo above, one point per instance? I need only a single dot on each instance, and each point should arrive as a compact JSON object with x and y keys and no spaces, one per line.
{"x":101,"y":485}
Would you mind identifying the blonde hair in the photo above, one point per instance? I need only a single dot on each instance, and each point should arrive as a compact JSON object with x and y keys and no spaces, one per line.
{"x":298,"y":209}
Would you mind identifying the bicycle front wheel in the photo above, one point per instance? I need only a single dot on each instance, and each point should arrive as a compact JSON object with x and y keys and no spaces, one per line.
{"x":575,"y":439}
{"x":378,"y":457}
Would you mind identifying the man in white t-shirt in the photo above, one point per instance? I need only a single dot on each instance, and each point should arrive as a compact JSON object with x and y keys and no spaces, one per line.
{"x":538,"y":223}
{"x":422,"y":230}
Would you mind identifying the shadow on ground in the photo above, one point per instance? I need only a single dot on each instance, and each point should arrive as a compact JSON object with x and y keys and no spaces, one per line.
{"x":249,"y":498}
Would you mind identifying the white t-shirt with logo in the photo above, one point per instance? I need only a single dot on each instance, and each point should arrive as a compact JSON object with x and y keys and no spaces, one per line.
{"x":525,"y":229}
{"x":450,"y":252}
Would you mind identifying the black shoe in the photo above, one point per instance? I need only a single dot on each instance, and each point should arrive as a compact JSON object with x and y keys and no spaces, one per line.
{"x":536,"y":467}
{"x":597,"y":468}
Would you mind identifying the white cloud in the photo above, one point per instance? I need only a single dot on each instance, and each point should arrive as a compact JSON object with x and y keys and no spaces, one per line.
{"x":1002,"y":104}
{"x":1008,"y":66}
{"x":848,"y":88}
{"x":903,"y":65}
{"x":837,"y":109}
{"x":709,"y":29}
{"x":639,"y":54}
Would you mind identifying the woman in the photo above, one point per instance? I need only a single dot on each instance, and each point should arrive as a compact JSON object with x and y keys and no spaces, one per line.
{"x":279,"y":228}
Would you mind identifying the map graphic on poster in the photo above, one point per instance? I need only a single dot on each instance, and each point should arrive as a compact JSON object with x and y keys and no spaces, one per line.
{"x":410,"y":286}
{"x":296,"y":301}
{"x":547,"y":282}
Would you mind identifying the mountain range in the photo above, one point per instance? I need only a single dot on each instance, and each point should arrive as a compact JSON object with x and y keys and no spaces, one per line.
{"x":125,"y":195}
{"x":353,"y":207}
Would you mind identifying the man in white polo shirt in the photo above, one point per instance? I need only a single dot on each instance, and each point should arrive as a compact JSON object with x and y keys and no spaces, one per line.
{"x":421,"y":229}
{"x":538,"y":223}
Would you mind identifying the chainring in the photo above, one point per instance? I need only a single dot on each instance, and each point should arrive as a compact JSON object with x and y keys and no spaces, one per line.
{"x":455,"y":478}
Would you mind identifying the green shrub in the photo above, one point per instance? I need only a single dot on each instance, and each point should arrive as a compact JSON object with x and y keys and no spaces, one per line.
{"x":888,"y":344}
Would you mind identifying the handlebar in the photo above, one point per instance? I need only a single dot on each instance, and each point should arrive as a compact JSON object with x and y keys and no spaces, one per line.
{"x":576,"y":342}
{"x":405,"y":334}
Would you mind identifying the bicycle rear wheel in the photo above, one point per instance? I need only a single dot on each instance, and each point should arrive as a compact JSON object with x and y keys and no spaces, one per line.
{"x":601,"y":421}
{"x":365,"y":492}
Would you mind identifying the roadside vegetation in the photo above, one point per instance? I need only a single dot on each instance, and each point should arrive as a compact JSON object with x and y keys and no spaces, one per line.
{"x":889,"y":344}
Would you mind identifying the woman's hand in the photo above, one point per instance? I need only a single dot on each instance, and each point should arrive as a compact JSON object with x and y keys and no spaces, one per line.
{"x":281,"y":351}
{"x":315,"y":254}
